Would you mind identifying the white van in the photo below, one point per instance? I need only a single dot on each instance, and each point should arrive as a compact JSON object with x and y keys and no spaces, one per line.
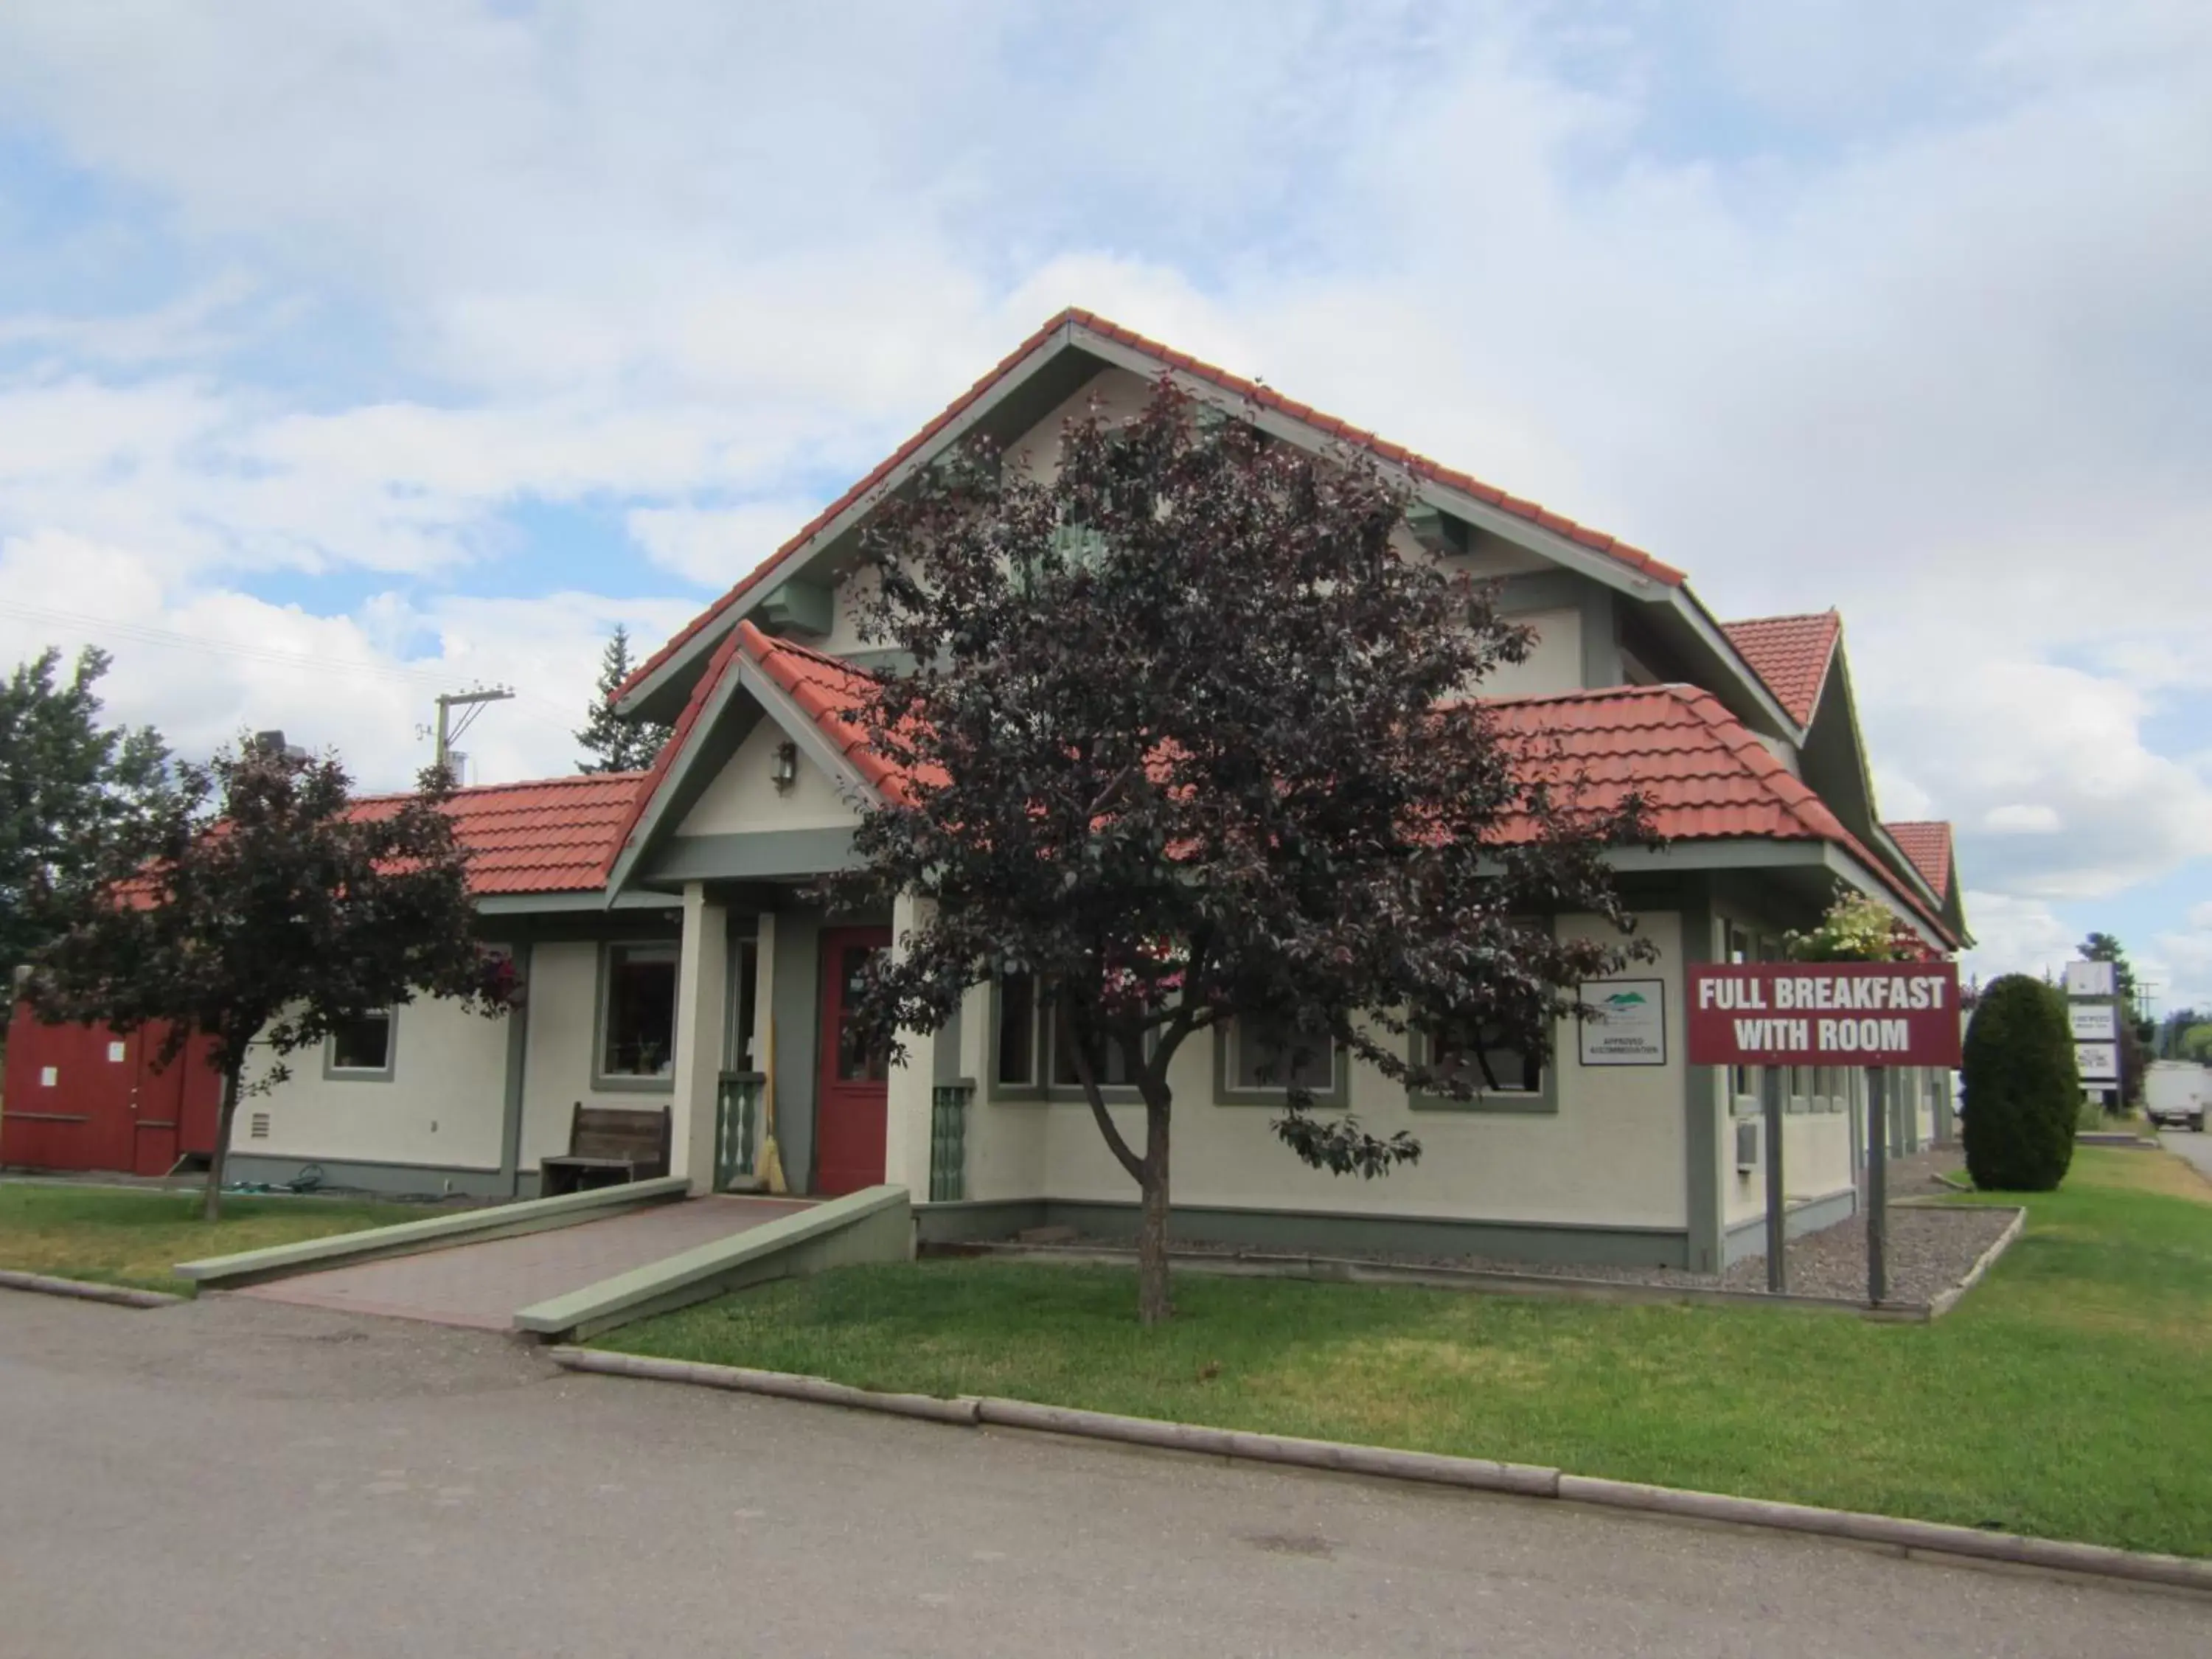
{"x":2176,"y":1091}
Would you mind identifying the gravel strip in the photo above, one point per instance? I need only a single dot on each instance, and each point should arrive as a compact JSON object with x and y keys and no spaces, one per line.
{"x":1930,"y":1250}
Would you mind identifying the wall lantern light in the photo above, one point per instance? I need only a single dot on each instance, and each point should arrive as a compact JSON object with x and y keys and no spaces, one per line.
{"x":786,"y":767}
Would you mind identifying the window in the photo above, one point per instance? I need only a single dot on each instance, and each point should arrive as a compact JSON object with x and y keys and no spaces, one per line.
{"x":1257,"y":1061}
{"x":858,"y":1060}
{"x":1271,"y":1055}
{"x":1033,"y":1056}
{"x":361,"y":1048}
{"x":1115,"y":1072}
{"x":637,"y":1018}
{"x":1505,"y":1075}
{"x":1016,"y":1065}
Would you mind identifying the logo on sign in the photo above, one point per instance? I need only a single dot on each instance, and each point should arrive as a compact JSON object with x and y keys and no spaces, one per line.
{"x":2091,"y":979}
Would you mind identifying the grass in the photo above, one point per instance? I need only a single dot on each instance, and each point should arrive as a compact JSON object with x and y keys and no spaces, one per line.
{"x":119,"y":1236}
{"x":2070,"y":1396}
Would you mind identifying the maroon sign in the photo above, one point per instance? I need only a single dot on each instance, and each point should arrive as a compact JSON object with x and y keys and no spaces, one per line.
{"x":1824,"y":1013}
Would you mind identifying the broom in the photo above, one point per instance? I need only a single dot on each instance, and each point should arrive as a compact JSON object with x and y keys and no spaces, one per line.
{"x":771,"y":1160}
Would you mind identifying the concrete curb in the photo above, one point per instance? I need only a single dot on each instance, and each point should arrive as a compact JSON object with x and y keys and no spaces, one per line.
{"x":1947,"y":1300}
{"x":1520,"y":1480}
{"x":121,"y":1296}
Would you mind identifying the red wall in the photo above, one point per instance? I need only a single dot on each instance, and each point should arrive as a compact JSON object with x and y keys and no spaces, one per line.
{"x":106,"y":1106}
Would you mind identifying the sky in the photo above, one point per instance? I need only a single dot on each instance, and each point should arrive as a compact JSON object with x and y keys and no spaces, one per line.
{"x":353,"y":352}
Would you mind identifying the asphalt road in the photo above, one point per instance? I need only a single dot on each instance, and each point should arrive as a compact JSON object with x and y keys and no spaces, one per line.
{"x":2192,"y":1145}
{"x":241,"y":1477}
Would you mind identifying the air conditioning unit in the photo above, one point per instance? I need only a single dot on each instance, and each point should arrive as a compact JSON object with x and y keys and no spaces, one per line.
{"x":1747,"y":1144}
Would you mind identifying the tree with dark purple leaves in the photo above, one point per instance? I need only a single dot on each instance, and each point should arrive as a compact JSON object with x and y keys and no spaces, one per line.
{"x":261,"y":905}
{"x":1188,"y":735}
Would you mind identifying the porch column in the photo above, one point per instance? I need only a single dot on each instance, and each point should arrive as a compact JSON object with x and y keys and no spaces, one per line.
{"x":906,"y":1117}
{"x":702,"y":968}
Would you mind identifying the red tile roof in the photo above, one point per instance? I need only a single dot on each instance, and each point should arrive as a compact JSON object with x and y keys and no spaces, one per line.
{"x":1791,"y":654}
{"x":1703,"y":776}
{"x":1927,"y":844}
{"x":546,"y":836}
{"x":1420,"y":465}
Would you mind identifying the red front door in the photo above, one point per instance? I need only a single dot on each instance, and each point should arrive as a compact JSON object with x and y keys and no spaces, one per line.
{"x":851,"y":1093}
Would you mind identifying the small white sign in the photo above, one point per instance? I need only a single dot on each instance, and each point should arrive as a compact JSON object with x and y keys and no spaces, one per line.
{"x":1629,"y":1028}
{"x":2099,"y":1062}
{"x":49,"y":1076}
{"x":2094,"y":1022}
{"x":2090,"y":979}
{"x":115,"y":1053}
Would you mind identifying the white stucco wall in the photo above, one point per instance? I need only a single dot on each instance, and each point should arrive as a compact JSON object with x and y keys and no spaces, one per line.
{"x":1555,"y":663}
{"x":444,"y":1104}
{"x":744,"y":796}
{"x":1610,"y":1156}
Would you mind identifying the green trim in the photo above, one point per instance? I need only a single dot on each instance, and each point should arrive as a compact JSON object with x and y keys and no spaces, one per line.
{"x":796,"y":1008}
{"x":1335,"y":1097}
{"x":873,"y":1225}
{"x":601,"y":1082}
{"x":412,"y":1238}
{"x":706,"y":749}
{"x":1701,"y":1194}
{"x":798,"y":606}
{"x":1600,"y":637}
{"x":948,"y":1140}
{"x":751,"y":855}
{"x":333,"y":1073}
{"x":1530,"y":591}
{"x":1320,"y":1231}
{"x":518,"y":1061}
{"x":555,"y":905}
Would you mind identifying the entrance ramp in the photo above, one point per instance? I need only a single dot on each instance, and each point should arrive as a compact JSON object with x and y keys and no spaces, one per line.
{"x":481,"y":1284}
{"x":873,"y":1225}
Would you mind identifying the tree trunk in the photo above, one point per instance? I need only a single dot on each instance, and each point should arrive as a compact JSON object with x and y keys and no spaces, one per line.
{"x":1153,"y":1304}
{"x":211,"y":1199}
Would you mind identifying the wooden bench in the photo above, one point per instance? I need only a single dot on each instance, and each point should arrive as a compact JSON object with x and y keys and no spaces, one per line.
{"x":608,"y":1145}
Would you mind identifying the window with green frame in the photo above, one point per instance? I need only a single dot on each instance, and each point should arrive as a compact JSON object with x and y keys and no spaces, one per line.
{"x":1033,"y":1051}
{"x":1257,"y":1061}
{"x":1506,"y":1076}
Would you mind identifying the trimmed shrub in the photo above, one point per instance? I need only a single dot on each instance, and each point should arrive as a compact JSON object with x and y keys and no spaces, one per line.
{"x":2023,"y":1094}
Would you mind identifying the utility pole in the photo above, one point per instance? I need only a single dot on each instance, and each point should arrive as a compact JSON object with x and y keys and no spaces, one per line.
{"x":447,"y":730}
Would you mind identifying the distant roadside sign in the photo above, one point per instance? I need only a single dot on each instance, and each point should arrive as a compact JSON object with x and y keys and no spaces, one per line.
{"x":2091,"y":979}
{"x":2094,"y":1022}
{"x":1824,"y":1013}
{"x":2099,"y":1062}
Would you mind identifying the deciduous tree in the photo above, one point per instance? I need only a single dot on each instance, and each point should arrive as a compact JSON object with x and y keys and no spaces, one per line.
{"x":69,"y":785}
{"x":1190,"y":737}
{"x":262,"y":905}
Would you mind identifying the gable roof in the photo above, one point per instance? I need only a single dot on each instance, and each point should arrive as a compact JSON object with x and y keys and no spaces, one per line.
{"x":1075,"y":326}
{"x":1927,"y":843}
{"x":1791,"y":654}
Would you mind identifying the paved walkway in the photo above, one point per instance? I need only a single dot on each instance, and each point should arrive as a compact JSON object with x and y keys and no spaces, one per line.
{"x":483,"y":1284}
{"x":237,"y":1478}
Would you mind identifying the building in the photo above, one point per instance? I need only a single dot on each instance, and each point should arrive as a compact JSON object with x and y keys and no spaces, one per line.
{"x":671,"y":954}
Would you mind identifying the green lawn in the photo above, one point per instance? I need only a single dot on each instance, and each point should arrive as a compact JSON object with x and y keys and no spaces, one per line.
{"x":119,"y":1236}
{"x":2070,"y":1396}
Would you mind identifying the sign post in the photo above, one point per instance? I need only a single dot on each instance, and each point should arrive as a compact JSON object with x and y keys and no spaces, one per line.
{"x":1871,"y":1014}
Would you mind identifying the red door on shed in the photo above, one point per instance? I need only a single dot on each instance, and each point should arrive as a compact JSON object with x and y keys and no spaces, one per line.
{"x":852,"y":1094}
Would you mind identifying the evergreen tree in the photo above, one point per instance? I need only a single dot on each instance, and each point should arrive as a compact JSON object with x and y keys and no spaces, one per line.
{"x":2023,"y":1093}
{"x":611,"y":742}
{"x":69,"y":785}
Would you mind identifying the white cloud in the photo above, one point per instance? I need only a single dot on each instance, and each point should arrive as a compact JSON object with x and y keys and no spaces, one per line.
{"x":2015,"y":935}
{"x":1869,"y":307}
{"x":714,"y":546}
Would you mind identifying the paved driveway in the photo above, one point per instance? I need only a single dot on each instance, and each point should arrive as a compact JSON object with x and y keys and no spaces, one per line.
{"x":238,"y":1478}
{"x":483,"y":1284}
{"x":2192,"y":1145}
